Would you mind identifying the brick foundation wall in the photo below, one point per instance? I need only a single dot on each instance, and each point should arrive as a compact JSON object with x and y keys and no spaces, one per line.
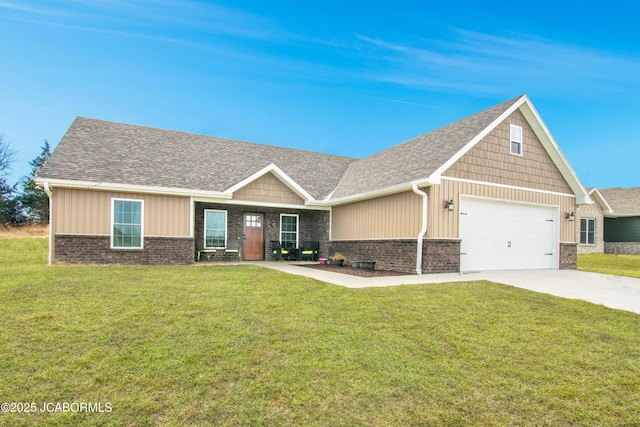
{"x":78,"y":249}
{"x":629,"y":248}
{"x":568,"y":256}
{"x":439,"y":255}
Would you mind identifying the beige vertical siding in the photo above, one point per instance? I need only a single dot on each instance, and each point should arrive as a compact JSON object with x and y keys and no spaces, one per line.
{"x":444,"y":224}
{"x":268,"y":189}
{"x":391,"y":217}
{"x":490,"y":160}
{"x":89,"y":212}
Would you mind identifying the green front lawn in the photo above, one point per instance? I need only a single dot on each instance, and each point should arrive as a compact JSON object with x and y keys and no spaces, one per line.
{"x":621,"y":265}
{"x":204,"y":345}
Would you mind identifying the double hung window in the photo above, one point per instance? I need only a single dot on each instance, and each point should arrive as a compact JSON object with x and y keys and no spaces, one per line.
{"x":215,"y":229}
{"x":127,"y":228}
{"x":587,"y":231}
{"x":289,"y":230}
{"x":516,"y":139}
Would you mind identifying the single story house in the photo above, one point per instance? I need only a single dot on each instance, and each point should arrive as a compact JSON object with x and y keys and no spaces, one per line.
{"x":490,"y":191}
{"x":590,"y":219}
{"x":622,"y":223}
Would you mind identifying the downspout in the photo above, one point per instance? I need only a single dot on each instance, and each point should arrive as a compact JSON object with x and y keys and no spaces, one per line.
{"x":423,"y":231}
{"x":49,"y":192}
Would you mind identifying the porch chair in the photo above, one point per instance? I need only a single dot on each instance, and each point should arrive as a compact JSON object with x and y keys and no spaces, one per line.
{"x":278,"y":250}
{"x":309,"y":251}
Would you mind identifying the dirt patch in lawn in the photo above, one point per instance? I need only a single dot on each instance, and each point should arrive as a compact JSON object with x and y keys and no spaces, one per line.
{"x":354,"y":271}
{"x":19,"y":231}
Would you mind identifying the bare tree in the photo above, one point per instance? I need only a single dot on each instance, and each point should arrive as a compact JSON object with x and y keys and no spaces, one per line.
{"x":10,"y":211}
{"x":7,"y":156}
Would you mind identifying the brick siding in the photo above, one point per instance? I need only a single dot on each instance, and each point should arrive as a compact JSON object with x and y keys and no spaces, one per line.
{"x":439,"y":255}
{"x":630,"y":248}
{"x":568,"y":256}
{"x":79,"y":249}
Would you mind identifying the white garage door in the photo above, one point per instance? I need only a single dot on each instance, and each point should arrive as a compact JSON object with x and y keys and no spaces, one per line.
{"x":498,"y":235}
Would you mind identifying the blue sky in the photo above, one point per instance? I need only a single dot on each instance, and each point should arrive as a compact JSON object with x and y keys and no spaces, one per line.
{"x":349,"y":78}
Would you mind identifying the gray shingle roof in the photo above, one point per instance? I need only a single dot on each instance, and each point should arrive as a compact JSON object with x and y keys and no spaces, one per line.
{"x":623,"y":201}
{"x":101,"y":151}
{"x":417,"y":158}
{"x":115,"y":153}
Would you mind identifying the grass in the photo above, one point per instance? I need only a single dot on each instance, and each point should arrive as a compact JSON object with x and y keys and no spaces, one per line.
{"x":242,"y":345}
{"x":621,"y":265}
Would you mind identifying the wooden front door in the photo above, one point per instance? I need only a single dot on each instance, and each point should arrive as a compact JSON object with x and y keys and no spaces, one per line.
{"x":253,"y":237}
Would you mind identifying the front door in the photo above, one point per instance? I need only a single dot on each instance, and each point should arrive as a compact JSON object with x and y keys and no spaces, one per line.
{"x":253,"y":237}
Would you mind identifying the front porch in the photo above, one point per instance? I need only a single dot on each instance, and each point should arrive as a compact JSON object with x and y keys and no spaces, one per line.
{"x":232,"y":233}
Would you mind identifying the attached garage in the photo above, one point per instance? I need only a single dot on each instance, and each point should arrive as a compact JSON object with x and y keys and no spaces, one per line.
{"x":502,"y":235}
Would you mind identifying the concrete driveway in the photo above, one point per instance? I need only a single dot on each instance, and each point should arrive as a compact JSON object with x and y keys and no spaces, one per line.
{"x":611,"y":291}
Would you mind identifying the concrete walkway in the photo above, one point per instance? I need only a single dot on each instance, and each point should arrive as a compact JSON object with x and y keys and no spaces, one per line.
{"x":611,"y":291}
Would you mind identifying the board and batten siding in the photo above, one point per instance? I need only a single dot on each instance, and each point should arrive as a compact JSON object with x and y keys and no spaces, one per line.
{"x":268,"y":189}
{"x":398,"y":216}
{"x":88,"y":212}
{"x":445,"y":224}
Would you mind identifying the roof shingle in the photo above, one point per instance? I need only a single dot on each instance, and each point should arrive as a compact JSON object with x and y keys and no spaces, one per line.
{"x":100,"y":151}
{"x":623,"y":201}
{"x":417,"y":158}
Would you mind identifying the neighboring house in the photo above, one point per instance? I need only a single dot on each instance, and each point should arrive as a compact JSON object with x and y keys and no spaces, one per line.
{"x":490,"y":191}
{"x":622,"y":224}
{"x":590,"y":220}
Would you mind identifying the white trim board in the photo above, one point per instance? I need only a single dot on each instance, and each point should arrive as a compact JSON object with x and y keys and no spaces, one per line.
{"x":511,"y":187}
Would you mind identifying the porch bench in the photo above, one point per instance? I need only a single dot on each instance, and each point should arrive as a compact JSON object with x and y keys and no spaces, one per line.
{"x":208,"y":253}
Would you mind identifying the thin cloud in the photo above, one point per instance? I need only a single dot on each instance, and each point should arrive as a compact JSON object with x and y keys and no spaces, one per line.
{"x":141,"y":16}
{"x":417,"y":104}
{"x":487,"y":63}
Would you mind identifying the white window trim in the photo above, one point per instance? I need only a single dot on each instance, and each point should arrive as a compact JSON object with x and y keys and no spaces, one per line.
{"x":297,"y":227}
{"x":512,"y":139}
{"x":226,"y":229}
{"x":594,"y":232}
{"x":113,"y":203}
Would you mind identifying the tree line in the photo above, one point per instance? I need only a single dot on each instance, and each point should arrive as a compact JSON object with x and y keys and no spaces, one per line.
{"x":23,"y":202}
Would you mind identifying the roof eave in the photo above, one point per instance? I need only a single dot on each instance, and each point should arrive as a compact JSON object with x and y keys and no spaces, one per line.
{"x":405,"y":186}
{"x":129,"y":188}
{"x":621,"y":215}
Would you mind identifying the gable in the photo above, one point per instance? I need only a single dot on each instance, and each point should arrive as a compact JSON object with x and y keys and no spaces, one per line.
{"x":490,"y":160}
{"x":267,"y":189}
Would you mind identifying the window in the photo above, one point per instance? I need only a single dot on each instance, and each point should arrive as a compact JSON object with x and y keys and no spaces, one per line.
{"x":215,"y":229}
{"x":252,"y":220}
{"x":516,"y":139}
{"x":289,"y":230}
{"x":126,"y":223}
{"x":587,"y":231}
